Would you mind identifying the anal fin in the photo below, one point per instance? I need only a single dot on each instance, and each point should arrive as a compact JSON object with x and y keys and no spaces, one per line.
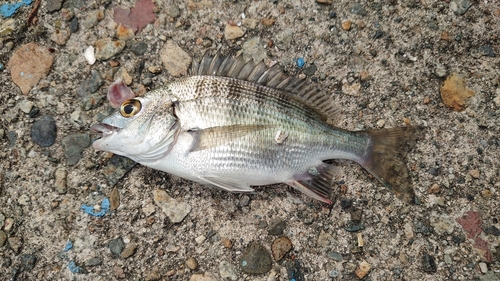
{"x":227,"y":184}
{"x":316,"y":182}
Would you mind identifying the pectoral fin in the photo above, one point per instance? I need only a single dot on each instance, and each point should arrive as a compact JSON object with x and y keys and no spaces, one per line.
{"x":227,"y":184}
{"x":215,"y":136}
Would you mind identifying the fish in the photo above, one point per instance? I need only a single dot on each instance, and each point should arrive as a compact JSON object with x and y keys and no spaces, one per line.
{"x":237,"y":124}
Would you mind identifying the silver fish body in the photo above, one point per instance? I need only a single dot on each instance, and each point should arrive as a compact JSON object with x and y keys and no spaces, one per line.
{"x":232,"y":127}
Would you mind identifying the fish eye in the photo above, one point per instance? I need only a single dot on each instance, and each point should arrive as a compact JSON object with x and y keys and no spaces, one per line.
{"x":130,"y":107}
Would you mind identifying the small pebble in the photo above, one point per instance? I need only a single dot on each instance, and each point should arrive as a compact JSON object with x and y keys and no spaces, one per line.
{"x":23,"y":200}
{"x":460,"y":7}
{"x":474,"y":173}
{"x":429,"y":263}
{"x":191,"y":263}
{"x":255,"y":259}
{"x":8,"y":224}
{"x":227,"y":243}
{"x":116,"y":247}
{"x":26,"y":106}
{"x":335,"y":256}
{"x":227,"y":271}
{"x":362,"y":269}
{"x":155,"y":69}
{"x":60,"y":180}
{"x":233,"y":31}
{"x":53,"y":5}
{"x":346,"y":25}
{"x":280,"y":247}
{"x":276,"y":227}
{"x":381,"y":123}
{"x":60,"y":36}
{"x":175,"y":60}
{"x":107,"y":48}
{"x":28,"y":261}
{"x":3,"y":238}
{"x":433,"y":171}
{"x":200,"y":239}
{"x":153,"y":276}
{"x":483,"y":267}
{"x":139,"y":48}
{"x":128,"y":251}
{"x":74,"y":146}
{"x":73,"y":25}
{"x":44,"y":131}
{"x":15,"y":243}
{"x":93,"y":261}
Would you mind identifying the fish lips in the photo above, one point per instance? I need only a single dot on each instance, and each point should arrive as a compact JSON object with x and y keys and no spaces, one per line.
{"x":104,"y":129}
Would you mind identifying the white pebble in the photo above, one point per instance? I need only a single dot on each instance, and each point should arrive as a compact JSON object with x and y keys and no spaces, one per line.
{"x":89,"y":55}
{"x":200,"y":239}
{"x":483,"y":267}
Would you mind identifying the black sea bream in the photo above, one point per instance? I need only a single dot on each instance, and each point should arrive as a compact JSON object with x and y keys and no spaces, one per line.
{"x":236,"y":124}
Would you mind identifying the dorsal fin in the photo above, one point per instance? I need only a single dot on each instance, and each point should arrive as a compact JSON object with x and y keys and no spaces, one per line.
{"x":273,"y":77}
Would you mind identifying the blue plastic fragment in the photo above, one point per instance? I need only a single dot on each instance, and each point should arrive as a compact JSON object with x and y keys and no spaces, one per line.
{"x":1,"y":66}
{"x":7,"y":10}
{"x":90,"y":209}
{"x":68,"y":247}
{"x":301,"y":62}
{"x":74,"y":268}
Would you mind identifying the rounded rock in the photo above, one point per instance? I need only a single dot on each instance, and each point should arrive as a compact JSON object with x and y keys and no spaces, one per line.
{"x":280,"y":247}
{"x":255,"y":260}
{"x":191,"y":263}
{"x":44,"y":131}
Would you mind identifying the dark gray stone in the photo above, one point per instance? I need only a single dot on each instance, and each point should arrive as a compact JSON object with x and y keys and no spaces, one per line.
{"x":429,"y":263}
{"x":255,"y":260}
{"x":310,"y":70}
{"x":276,"y":227}
{"x":74,"y":4}
{"x":422,"y":227}
{"x":44,"y":131}
{"x":92,"y":101}
{"x":73,"y":25}
{"x":28,"y":261}
{"x":335,"y":256}
{"x":139,"y":48}
{"x":352,"y":226}
{"x":493,"y":230}
{"x":116,"y":247}
{"x":93,"y":262}
{"x":488,"y":51}
{"x":74,"y":146}
{"x":12,"y":138}
{"x":116,"y":168}
{"x":53,"y":5}
{"x":434,"y":172}
{"x":460,"y":7}
{"x":358,"y":9}
{"x":95,"y":81}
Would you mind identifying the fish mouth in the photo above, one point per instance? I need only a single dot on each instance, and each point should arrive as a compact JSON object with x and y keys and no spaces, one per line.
{"x":104,"y":129}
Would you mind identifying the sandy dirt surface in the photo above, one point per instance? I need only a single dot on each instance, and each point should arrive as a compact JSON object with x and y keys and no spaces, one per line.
{"x":386,"y":64}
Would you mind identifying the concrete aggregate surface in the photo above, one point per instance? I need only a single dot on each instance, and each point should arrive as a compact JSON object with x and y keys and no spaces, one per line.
{"x":69,"y":212}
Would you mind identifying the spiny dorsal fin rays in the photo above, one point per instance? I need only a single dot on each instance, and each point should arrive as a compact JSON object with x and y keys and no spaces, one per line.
{"x":257,"y":72}
{"x":274,"y":77}
{"x":216,"y":136}
{"x":246,"y":70}
{"x":216,"y":62}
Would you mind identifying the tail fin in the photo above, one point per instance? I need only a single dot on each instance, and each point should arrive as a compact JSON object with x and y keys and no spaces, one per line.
{"x":384,"y":159}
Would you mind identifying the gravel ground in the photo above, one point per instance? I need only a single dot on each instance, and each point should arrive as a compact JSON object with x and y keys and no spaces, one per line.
{"x":385,"y":63}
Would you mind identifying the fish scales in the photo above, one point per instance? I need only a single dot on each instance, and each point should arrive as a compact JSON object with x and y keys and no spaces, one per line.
{"x":222,"y":130}
{"x":241,"y":102}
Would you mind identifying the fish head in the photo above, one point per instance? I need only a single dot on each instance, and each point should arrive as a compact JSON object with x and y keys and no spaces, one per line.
{"x":143,"y":129}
